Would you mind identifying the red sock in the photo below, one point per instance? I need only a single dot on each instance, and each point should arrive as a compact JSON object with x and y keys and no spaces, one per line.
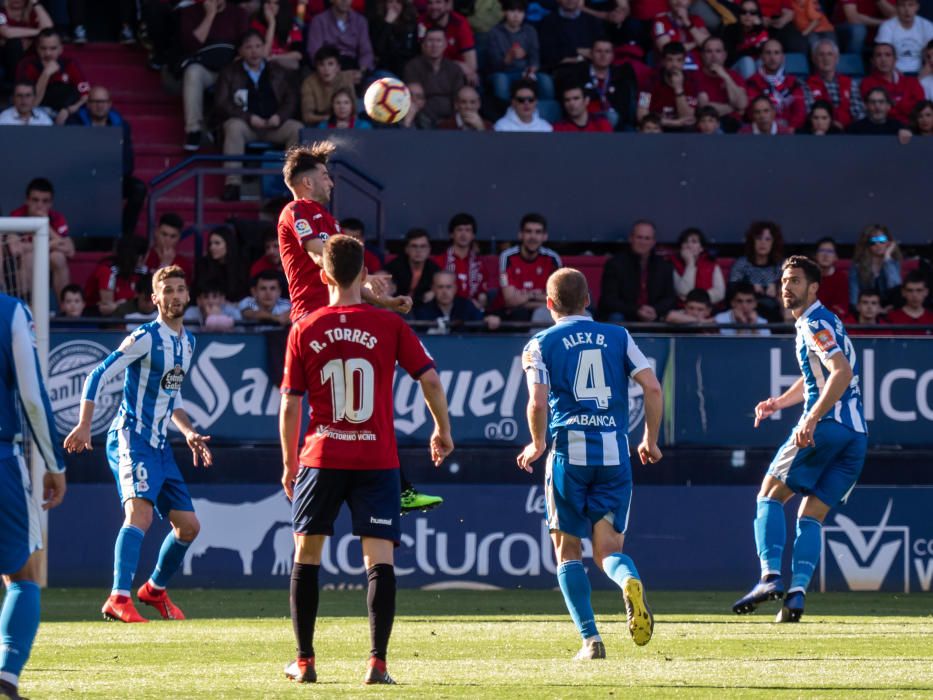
{"x":378,"y":664}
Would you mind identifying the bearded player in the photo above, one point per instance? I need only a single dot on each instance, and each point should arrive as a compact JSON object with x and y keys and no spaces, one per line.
{"x":156,"y":357}
{"x":304,"y":226}
{"x":343,"y":356}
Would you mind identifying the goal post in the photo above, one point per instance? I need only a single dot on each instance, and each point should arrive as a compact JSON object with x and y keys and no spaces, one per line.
{"x":35,"y":292}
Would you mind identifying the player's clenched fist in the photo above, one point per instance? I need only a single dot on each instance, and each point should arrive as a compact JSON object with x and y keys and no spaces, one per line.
{"x":649,"y":452}
{"x":529,"y":456}
{"x":79,"y":439}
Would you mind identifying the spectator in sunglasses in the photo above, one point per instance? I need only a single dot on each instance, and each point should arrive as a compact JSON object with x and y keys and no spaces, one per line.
{"x":744,"y":39}
{"x":876,"y":265}
{"x":522,"y":114}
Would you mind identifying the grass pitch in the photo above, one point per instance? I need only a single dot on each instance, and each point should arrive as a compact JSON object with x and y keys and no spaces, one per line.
{"x":508,"y":644}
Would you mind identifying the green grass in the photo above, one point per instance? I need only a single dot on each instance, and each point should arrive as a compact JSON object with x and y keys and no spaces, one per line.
{"x":509,"y":644}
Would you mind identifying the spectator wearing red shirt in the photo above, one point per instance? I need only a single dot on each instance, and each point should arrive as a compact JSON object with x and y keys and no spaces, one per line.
{"x":461,"y":47}
{"x":784,"y":91}
{"x":834,"y":284}
{"x":744,"y":39}
{"x":778,"y":18}
{"x":524,"y":270}
{"x":164,"y":250}
{"x":827,"y":84}
{"x":59,"y":81}
{"x":271,"y":259}
{"x":20,"y":23}
{"x":114,"y":279}
{"x":673,"y":94}
{"x":577,"y":117}
{"x":904,"y":91}
{"x":868,"y":312}
{"x":462,"y":259}
{"x":855,"y":18}
{"x":282,"y":37}
{"x":718,"y":87}
{"x":357,"y":229}
{"x":695,"y":269}
{"x":915,"y":291}
{"x":763,"y":119}
{"x":647,"y":10}
{"x":677,"y":24}
{"x":40,"y":195}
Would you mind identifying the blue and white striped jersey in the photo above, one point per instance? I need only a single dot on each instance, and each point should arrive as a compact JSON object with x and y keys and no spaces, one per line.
{"x":820,"y":335}
{"x":156,"y":360}
{"x":21,"y":385}
{"x":587,"y":366}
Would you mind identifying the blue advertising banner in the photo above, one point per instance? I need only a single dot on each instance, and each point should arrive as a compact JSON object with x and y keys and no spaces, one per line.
{"x":680,"y":537}
{"x":712,"y":385}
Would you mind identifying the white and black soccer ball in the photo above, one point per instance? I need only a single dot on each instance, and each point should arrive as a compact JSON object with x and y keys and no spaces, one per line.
{"x":387,"y":100}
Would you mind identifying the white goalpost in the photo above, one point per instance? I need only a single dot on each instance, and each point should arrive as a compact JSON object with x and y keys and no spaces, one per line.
{"x":24,"y":273}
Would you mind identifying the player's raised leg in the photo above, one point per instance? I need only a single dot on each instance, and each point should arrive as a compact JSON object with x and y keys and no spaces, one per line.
{"x":138,"y":517}
{"x":607,"y":552}
{"x":185,"y":528}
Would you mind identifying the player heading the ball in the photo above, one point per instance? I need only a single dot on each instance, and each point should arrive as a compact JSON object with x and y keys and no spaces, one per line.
{"x":343,"y":357}
{"x":580,"y":370}
{"x":156,"y":357}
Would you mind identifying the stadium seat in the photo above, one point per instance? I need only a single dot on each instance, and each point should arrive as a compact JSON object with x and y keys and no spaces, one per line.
{"x":851,"y":64}
{"x":797,"y":64}
{"x":550,"y":110}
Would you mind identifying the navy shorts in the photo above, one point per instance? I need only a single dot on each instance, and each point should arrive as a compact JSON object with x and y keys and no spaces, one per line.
{"x":372,"y":494}
{"x":578,"y":496}
{"x":20,"y":534}
{"x":144,"y":471}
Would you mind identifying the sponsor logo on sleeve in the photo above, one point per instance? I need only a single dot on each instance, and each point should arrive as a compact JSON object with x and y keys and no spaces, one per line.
{"x":824,"y":340}
{"x":302,"y":227}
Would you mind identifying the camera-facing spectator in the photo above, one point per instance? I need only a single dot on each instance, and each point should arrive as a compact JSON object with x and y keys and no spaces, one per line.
{"x":23,"y":111}
{"x":695,"y":269}
{"x":164,"y":250}
{"x":577,"y":115}
{"x":208,"y":31}
{"x":827,"y":84}
{"x":463,"y":261}
{"x":764,"y":120}
{"x":140,"y":309}
{"x":637,"y":284}
{"x":115,"y":277}
{"x":718,"y":87}
{"x":222,"y":267}
{"x":678,"y":25}
{"x":343,"y":112}
{"x":99,"y":112}
{"x":461,"y":47}
{"x":71,"y":302}
{"x":318,"y":88}
{"x":255,"y":100}
{"x":697,"y":311}
{"x":566,"y":35}
{"x":745,"y":38}
{"x":467,"y":115}
{"x":921,"y":119}
{"x":876,"y":265}
{"x":784,"y":91}
{"x":913,"y":312}
{"x":524,"y":270}
{"x":416,"y":118}
{"x":512,"y":50}
{"x":357,"y":229}
{"x":59,"y":81}
{"x":449,"y":308}
{"x":265,"y":302}
{"x":20,"y":24}
{"x":393,"y":29}
{"x":650,"y":124}
{"x":40,"y":197}
{"x":213,"y":312}
{"x":522,"y":114}
{"x":345,"y":29}
{"x":908,"y":34}
{"x":271,"y":259}
{"x":673,"y":92}
{"x":743,"y":309}
{"x":761,"y":265}
{"x":413,"y":271}
{"x":282,"y":38}
{"x":708,"y":122}
{"x":903,"y":91}
{"x":868,"y":312}
{"x":612,"y":89}
{"x":440,"y":77}
{"x":878,"y":120}
{"x":820,"y":120}
{"x":834,"y":283}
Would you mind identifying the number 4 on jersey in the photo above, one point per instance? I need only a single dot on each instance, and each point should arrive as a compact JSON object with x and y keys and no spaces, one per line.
{"x":590,"y":380}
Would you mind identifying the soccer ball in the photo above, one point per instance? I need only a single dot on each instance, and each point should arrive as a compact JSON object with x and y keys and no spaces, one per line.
{"x":387,"y":100}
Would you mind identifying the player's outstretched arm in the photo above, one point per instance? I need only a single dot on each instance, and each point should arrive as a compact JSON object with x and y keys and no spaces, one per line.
{"x":289,"y":429}
{"x":536,"y":413}
{"x":442,"y":444}
{"x":791,"y":397}
{"x":648,"y":450}
{"x":840,"y":374}
{"x":197,"y":443}
{"x":376,"y":294}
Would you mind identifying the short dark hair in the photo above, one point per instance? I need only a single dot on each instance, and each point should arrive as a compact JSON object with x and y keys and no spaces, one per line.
{"x":461,"y":219}
{"x":699,"y":296}
{"x":879,"y":44}
{"x":353,"y":224}
{"x":822,"y":104}
{"x":433,"y":29}
{"x":268,"y":275}
{"x":415,"y":233}
{"x":300,"y":159}
{"x":171,"y":219}
{"x":760,"y":98}
{"x":249,"y":34}
{"x":524,"y":84}
{"x":567,"y":290}
{"x":827,"y":239}
{"x":686,"y":233}
{"x":325,"y":52}
{"x":916,"y":276}
{"x":144,"y":285}
{"x":25,"y":83}
{"x":707,"y":111}
{"x":513,"y":5}
{"x":741,"y":287}
{"x":673,"y":48}
{"x":878,"y":90}
{"x":46,"y":33}
{"x":568,"y":88}
{"x":711,"y":37}
{"x":209,"y":287}
{"x":869,"y":292}
{"x":533,"y":218}
{"x":40,"y":184}
{"x":71,"y":289}
{"x":650,"y":118}
{"x":343,"y":259}
{"x":809,"y":268}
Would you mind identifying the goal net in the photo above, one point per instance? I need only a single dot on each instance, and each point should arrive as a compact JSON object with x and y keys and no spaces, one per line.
{"x":24,"y":273}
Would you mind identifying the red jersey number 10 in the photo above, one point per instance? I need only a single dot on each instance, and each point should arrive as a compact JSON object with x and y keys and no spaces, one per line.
{"x":352,"y":388}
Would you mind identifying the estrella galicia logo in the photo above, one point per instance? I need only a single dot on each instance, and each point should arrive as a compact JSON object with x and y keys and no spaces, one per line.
{"x":172,"y":380}
{"x":69,"y":365}
{"x":866,"y":556}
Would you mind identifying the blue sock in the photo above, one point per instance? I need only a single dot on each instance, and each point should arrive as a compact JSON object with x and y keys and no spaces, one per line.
{"x":19,"y":621}
{"x":171,"y":556}
{"x":770,"y":535}
{"x":576,"y":589}
{"x":126,"y":558}
{"x":619,"y":567}
{"x":806,"y":553}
